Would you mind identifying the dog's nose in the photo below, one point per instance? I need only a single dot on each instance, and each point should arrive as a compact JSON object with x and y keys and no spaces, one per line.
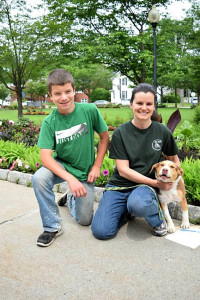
{"x":165,"y":171}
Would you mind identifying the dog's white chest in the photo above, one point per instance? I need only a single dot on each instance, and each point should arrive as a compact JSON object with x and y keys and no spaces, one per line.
{"x":170,"y":195}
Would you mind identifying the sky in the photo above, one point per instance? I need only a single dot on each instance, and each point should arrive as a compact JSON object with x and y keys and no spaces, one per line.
{"x":175,"y":10}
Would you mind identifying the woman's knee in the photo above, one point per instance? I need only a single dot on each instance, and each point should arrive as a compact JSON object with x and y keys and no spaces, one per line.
{"x":101,"y":231}
{"x":142,"y":202}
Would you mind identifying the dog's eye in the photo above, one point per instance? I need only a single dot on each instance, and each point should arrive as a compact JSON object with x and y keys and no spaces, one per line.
{"x":172,"y":167}
{"x":162,"y":165}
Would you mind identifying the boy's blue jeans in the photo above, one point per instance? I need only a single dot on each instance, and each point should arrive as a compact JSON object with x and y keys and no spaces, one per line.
{"x":116,"y":204}
{"x":80,"y":208}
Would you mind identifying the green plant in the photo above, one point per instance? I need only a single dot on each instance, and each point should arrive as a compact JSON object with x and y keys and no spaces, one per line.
{"x":191,"y":168}
{"x":107,"y":170}
{"x":29,"y":184}
{"x":21,"y":131}
{"x":19,"y":157}
{"x":186,"y":131}
{"x":197,"y":114}
{"x":170,"y":98}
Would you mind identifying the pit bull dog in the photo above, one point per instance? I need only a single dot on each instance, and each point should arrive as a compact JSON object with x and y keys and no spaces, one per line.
{"x":168,"y":171}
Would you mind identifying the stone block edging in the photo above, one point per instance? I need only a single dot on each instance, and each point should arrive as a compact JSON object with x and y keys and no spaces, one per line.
{"x":26,"y":179}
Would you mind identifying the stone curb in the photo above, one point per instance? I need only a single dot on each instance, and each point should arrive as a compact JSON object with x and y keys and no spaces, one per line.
{"x":26,"y":179}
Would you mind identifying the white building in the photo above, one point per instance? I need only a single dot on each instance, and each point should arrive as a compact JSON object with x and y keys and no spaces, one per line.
{"x":121,"y":88}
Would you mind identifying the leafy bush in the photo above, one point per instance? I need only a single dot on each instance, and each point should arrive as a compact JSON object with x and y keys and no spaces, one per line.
{"x":197,"y":114}
{"x":23,"y":131}
{"x":188,"y":137}
{"x":191,"y":168}
{"x":107,"y":169}
{"x":170,"y":98}
{"x":100,"y":94}
{"x":19,"y":157}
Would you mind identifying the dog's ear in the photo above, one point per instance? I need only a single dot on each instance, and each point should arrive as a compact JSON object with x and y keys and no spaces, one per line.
{"x":180,"y":171}
{"x":154,"y":167}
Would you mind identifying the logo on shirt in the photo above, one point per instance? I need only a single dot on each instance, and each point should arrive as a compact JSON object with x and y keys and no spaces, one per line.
{"x":157,"y":144}
{"x":71,"y":134}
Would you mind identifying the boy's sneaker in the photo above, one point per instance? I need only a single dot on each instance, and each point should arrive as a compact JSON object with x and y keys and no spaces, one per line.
{"x":160,"y":230}
{"x":62,"y":200}
{"x":47,"y":238}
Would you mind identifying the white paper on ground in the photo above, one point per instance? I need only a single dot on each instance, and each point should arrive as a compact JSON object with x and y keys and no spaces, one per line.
{"x":187,"y":237}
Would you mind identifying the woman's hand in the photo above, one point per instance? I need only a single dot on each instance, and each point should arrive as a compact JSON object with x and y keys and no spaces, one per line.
{"x":165,"y":186}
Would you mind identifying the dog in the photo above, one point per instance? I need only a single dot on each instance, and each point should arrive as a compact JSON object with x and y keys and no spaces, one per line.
{"x":168,"y":171}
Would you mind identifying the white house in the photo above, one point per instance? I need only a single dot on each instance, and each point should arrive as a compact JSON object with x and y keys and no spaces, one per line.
{"x":121,"y":88}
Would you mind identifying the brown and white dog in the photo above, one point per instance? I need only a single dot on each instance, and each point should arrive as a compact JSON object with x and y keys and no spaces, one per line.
{"x":168,"y":171}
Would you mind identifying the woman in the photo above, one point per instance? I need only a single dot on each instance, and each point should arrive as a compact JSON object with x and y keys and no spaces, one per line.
{"x":132,"y":189}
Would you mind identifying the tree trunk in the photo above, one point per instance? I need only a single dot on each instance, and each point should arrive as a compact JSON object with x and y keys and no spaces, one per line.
{"x":181,"y":94}
{"x":175,"y":90}
{"x":19,"y":100}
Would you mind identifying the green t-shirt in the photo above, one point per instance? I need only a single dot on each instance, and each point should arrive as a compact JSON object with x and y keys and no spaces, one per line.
{"x":72,"y":137}
{"x":141,"y":147}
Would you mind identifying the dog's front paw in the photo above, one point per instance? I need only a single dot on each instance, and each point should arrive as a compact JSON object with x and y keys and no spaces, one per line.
{"x":185,"y":224}
{"x":171,"y":229}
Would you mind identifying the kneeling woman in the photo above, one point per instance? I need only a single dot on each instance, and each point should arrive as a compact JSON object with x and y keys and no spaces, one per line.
{"x":132,"y":190}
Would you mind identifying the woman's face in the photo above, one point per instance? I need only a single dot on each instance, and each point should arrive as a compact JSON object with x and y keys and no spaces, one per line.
{"x":143,"y":106}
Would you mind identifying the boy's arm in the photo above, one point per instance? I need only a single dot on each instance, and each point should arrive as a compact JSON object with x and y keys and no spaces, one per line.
{"x":50,"y":163}
{"x":102,"y":148}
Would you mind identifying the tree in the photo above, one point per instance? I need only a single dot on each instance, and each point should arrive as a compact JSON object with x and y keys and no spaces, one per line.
{"x":193,"y":40}
{"x":3,"y":92}
{"x":36,"y":88}
{"x":24,"y":47}
{"x":110,"y":32}
{"x":173,"y":54}
{"x":87,"y":79}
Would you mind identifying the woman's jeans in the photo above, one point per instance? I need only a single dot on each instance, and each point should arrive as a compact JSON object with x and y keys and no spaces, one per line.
{"x":80,"y":208}
{"x":115,"y":205}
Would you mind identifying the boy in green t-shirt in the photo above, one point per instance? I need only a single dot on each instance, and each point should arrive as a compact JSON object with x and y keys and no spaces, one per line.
{"x":69,"y":132}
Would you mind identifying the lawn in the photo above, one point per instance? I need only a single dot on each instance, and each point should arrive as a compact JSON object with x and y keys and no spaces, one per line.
{"x":110,"y":115}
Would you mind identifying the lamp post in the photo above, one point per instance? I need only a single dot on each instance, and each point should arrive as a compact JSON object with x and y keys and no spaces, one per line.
{"x":154,"y":17}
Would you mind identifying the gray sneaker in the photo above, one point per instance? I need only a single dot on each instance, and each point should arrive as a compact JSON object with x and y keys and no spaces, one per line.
{"x":160,"y":230}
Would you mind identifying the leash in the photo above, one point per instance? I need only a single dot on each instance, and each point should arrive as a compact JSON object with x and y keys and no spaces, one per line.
{"x":118,"y":188}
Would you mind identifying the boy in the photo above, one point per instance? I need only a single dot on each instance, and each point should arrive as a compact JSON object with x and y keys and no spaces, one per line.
{"x":69,"y":131}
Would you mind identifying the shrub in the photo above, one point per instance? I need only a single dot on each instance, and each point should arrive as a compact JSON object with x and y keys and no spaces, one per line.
{"x":170,"y":98}
{"x":19,"y":157}
{"x":191,"y":168}
{"x":23,"y":131}
{"x":197,"y":114}
{"x":107,"y":170}
{"x":188,"y":137}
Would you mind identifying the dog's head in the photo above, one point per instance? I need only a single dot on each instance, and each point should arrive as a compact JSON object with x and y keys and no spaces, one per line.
{"x":167,"y":171}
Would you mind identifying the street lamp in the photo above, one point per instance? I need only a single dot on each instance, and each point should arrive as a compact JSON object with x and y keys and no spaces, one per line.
{"x":154,"y":17}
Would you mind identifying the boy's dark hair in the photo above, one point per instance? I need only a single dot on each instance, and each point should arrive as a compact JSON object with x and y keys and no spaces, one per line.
{"x":142,"y":87}
{"x":59,"y":77}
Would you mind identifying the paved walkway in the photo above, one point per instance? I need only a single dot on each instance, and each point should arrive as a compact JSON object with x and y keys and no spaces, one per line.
{"x":133,"y":265}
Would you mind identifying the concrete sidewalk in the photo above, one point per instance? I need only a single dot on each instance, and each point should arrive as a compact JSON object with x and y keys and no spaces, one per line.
{"x":133,"y":265}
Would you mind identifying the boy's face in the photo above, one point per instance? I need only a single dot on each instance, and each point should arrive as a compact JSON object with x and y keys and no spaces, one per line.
{"x":63,"y":97}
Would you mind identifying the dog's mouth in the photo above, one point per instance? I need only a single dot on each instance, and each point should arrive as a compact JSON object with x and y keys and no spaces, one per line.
{"x":164,"y":177}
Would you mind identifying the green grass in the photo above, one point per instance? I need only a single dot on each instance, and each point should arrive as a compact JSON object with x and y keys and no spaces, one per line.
{"x":109,"y":114}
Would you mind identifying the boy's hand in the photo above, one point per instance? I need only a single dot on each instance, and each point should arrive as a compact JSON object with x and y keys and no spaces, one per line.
{"x":94,"y":174}
{"x":77,"y":188}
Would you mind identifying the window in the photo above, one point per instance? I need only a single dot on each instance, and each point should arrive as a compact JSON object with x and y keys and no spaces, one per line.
{"x":84,"y":100}
{"x":124,"y":81}
{"x":124,"y":95}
